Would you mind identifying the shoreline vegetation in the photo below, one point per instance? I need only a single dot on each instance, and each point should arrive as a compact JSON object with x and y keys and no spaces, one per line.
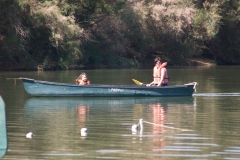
{"x":190,"y":62}
{"x":73,"y":34}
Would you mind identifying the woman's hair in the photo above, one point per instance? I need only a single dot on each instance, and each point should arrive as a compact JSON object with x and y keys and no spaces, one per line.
{"x":157,"y":59}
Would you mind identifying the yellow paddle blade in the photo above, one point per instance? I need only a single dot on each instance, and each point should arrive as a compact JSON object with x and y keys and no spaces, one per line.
{"x":137,"y":82}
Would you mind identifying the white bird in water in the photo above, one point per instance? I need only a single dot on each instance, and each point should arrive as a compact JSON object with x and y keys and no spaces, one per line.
{"x":135,"y":126}
{"x":29,"y":135}
{"x":84,"y":132}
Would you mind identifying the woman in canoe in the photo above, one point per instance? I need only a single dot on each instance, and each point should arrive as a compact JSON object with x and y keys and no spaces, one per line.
{"x":82,"y":79}
{"x":160,"y":76}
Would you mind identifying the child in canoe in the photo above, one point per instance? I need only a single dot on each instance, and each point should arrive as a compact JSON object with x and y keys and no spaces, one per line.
{"x":82,"y":79}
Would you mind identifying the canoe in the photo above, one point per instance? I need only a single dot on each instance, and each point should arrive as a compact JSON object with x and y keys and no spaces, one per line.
{"x":46,"y":88}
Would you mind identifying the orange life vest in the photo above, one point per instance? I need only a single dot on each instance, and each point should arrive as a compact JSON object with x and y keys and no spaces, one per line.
{"x":157,"y":70}
{"x":81,"y":82}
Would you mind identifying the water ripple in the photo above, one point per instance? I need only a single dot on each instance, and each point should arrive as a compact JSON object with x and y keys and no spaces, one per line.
{"x":198,"y":144}
{"x":215,"y":94}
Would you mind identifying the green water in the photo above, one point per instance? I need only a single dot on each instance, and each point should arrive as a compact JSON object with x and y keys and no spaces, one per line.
{"x":205,"y":126}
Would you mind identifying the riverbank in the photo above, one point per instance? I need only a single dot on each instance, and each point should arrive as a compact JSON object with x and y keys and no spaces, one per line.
{"x":147,"y":64}
{"x":201,"y":62}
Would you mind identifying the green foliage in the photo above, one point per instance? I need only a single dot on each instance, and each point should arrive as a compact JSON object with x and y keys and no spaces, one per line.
{"x":60,"y":34}
{"x":225,"y":47}
{"x":207,"y":21}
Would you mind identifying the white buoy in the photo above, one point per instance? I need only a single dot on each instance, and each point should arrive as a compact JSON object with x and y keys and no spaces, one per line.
{"x":29,"y":135}
{"x":134,"y":128}
{"x":84,"y":132}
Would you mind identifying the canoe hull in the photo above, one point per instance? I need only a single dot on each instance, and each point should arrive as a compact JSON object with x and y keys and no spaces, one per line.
{"x":45,"y":88}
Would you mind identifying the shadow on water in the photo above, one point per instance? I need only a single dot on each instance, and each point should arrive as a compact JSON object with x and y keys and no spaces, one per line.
{"x":3,"y":129}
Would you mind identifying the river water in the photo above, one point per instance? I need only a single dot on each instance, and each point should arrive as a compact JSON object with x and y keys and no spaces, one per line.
{"x":204,"y":126}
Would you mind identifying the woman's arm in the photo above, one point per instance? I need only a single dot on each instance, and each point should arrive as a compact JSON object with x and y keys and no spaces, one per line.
{"x":77,"y":81}
{"x":150,"y":83}
{"x":163,"y":65}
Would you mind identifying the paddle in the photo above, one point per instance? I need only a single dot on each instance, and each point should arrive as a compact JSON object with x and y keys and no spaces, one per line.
{"x":137,"y":82}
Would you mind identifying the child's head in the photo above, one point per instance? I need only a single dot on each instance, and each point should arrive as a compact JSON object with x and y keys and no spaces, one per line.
{"x":83,"y":76}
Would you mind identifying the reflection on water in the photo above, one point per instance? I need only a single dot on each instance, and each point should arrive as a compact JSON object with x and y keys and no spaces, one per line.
{"x":159,"y":116}
{"x":82,"y":111}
